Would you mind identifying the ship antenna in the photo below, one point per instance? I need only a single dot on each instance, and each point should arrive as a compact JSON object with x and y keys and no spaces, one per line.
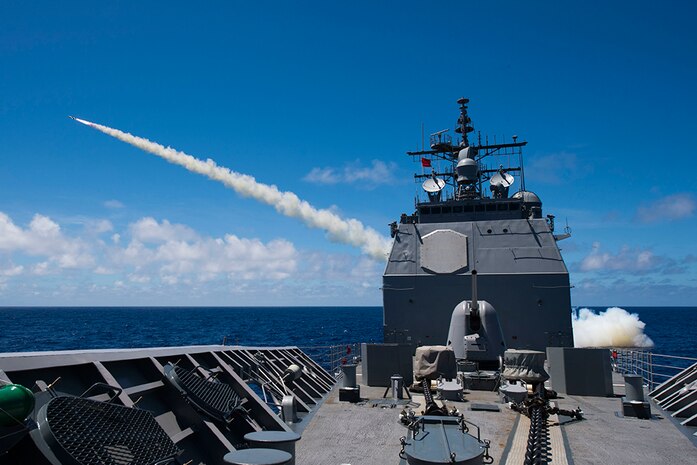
{"x":422,"y":137}
{"x":463,"y":122}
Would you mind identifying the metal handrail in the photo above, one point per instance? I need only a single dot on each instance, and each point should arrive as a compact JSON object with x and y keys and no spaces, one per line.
{"x":641,"y":362}
{"x":331,"y":357}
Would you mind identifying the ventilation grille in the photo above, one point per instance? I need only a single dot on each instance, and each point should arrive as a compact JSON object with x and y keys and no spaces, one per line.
{"x":217,"y":399}
{"x":100,"y":433}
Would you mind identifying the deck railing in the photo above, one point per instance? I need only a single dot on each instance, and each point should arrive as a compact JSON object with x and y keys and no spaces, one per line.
{"x":333,"y":356}
{"x":654,"y":368}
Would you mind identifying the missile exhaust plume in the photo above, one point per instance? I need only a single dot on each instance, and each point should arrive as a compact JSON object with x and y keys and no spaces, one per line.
{"x":347,"y":231}
{"x":615,"y":327}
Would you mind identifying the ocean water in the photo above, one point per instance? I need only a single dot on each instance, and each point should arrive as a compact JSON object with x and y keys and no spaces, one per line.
{"x":673,"y":329}
{"x":67,"y":328}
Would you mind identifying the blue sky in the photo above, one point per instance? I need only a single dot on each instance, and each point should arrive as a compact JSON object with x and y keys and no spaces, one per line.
{"x":323,"y":99}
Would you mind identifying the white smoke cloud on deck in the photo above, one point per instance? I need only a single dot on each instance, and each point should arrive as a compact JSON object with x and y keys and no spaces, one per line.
{"x":615,"y":327}
{"x":347,"y":231}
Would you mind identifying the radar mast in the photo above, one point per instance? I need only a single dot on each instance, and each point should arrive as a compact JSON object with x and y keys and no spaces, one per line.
{"x":465,"y":179}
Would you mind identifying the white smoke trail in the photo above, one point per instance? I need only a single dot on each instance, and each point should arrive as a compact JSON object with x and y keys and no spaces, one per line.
{"x":348,"y":231}
{"x":615,"y":327}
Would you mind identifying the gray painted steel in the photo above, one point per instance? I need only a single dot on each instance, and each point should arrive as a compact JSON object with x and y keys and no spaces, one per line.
{"x":257,"y":457}
{"x":397,"y":387}
{"x":349,"y":375}
{"x":482,"y":344}
{"x":442,"y":442}
{"x":280,"y":440}
{"x":633,"y":387}
{"x":583,"y":372}
{"x":521,"y":273}
{"x":138,"y":375}
{"x":380,"y":361}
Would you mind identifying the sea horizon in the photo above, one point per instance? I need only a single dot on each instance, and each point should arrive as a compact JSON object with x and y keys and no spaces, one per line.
{"x":573,"y":307}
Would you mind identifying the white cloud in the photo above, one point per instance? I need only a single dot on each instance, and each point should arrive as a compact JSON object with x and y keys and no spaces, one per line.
{"x":169,"y":279}
{"x":141,"y":279}
{"x":12,"y":270}
{"x":175,"y":249}
{"x":40,"y":269}
{"x":556,"y":168}
{"x":44,"y":238}
{"x":135,"y":253}
{"x":103,"y":270}
{"x":44,"y":227}
{"x":340,"y":274}
{"x":157,"y":262}
{"x":670,"y":207}
{"x":377,"y":173}
{"x":625,"y":259}
{"x":632,"y":260}
{"x":113,"y":204}
{"x":149,"y":230}
{"x":100,"y":226}
{"x":322,"y":176}
{"x":11,"y":236}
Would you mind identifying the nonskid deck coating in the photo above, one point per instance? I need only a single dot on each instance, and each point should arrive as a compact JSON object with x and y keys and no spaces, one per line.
{"x":606,"y":437}
{"x":343,"y":433}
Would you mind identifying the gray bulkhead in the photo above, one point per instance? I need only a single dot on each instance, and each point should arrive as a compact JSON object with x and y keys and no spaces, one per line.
{"x":521,"y":273}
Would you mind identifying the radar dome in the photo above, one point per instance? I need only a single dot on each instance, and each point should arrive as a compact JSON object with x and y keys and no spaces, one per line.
{"x":467,"y":152}
{"x":527,"y":197}
{"x":467,"y":170}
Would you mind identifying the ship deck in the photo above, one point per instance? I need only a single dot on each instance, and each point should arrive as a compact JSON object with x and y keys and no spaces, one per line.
{"x":363,"y":434}
{"x":334,"y":432}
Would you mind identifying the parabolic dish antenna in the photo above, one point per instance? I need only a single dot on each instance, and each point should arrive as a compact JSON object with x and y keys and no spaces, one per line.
{"x":433,"y":185}
{"x":501,"y":179}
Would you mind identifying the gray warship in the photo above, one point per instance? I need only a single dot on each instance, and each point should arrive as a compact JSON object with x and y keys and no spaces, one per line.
{"x":476,"y":312}
{"x":473,"y":219}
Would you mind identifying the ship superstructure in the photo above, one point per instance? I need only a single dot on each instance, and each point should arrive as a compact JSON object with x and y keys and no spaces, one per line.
{"x":470,"y":216}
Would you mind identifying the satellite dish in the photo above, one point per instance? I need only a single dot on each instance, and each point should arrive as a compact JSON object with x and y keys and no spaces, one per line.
{"x":501,"y":179}
{"x":433,"y":185}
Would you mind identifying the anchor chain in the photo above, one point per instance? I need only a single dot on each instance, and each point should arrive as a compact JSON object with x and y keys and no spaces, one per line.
{"x":537,"y":408}
{"x":537,"y":450}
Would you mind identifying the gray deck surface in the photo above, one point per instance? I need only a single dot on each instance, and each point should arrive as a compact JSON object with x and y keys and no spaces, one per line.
{"x":608,"y":438}
{"x":344,"y":433}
